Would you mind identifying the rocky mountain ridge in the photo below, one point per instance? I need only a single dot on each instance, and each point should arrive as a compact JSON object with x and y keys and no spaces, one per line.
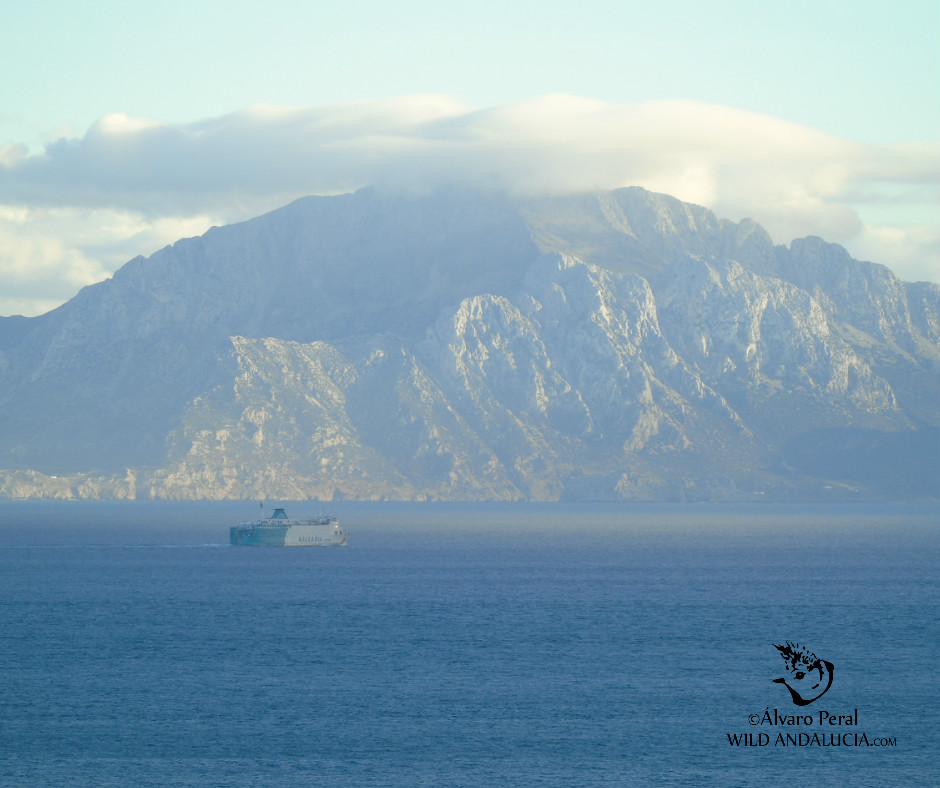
{"x":467,"y":346}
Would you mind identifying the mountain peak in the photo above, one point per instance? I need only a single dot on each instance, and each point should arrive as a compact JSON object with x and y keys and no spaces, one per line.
{"x":464,"y":344}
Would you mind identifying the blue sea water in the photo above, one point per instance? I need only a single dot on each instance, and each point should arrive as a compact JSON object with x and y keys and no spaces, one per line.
{"x":455,"y":645}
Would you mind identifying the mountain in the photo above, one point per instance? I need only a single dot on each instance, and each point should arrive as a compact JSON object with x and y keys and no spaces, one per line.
{"x":471,"y":346}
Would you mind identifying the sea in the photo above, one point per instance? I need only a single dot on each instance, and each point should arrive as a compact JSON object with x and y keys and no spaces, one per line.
{"x":454,"y":645}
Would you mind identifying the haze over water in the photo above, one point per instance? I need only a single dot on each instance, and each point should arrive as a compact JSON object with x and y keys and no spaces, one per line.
{"x":465,"y":645}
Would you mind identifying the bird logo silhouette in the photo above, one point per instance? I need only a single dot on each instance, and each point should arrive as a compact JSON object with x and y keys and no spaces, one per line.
{"x":809,"y":677}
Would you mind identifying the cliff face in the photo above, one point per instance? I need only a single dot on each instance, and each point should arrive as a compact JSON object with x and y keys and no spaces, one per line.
{"x":460,"y":346}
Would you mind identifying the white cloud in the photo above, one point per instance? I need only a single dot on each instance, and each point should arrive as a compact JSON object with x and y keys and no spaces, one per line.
{"x":910,"y":250}
{"x":48,"y":254}
{"x":11,"y":154}
{"x":129,"y":181}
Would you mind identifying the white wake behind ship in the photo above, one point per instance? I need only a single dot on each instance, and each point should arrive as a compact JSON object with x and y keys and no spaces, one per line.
{"x":279,"y":530}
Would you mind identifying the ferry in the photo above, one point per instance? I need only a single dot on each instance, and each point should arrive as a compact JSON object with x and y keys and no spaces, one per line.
{"x":279,"y":530}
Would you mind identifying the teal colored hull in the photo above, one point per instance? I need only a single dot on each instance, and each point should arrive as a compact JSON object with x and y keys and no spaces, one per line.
{"x":265,"y":537}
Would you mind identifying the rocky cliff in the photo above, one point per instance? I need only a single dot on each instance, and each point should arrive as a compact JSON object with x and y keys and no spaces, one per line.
{"x":464,"y":346}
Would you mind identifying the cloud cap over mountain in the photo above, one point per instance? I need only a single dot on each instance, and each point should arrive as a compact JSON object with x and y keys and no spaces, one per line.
{"x":130,"y":182}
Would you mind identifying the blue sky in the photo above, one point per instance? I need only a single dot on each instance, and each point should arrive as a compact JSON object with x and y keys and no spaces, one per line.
{"x":124,"y":126}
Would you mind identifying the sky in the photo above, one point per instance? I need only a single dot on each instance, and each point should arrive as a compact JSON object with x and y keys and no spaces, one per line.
{"x":126,"y":126}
